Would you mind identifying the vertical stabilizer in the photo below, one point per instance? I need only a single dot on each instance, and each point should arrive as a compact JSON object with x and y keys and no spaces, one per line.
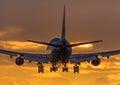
{"x":63,"y":35}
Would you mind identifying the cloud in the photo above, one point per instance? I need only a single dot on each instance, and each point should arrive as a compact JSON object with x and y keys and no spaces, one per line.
{"x":22,"y":46}
{"x":90,"y":20}
{"x":33,"y":47}
{"x":8,"y":31}
{"x":8,"y":78}
{"x":115,"y":77}
{"x":102,"y":81}
{"x":118,"y":84}
{"x":48,"y":75}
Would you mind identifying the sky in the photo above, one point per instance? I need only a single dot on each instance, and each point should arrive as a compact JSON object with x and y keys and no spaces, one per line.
{"x":41,"y":20}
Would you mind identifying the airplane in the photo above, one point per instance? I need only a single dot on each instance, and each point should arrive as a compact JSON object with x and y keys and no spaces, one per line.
{"x":61,"y":52}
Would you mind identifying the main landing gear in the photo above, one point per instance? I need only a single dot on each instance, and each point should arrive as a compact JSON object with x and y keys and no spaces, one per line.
{"x":65,"y":68}
{"x":53,"y":68}
{"x":40,"y":68}
{"x":76,"y":68}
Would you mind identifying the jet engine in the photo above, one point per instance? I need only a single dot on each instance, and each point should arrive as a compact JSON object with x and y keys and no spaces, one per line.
{"x":96,"y":62}
{"x":19,"y":61}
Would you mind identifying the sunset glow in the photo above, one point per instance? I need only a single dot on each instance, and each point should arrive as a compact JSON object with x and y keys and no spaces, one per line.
{"x":86,"y":20}
{"x":86,"y":46}
{"x":17,"y":45}
{"x":30,"y":70}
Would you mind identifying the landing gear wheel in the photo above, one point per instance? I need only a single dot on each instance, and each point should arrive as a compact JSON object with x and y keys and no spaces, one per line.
{"x":40,"y":68}
{"x":53,"y":68}
{"x":65,"y":68}
{"x":76,"y":69}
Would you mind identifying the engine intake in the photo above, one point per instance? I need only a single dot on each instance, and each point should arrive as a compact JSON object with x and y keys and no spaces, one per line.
{"x":96,"y":62}
{"x":19,"y":61}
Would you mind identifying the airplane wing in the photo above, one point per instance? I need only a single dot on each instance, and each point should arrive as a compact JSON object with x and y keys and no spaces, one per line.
{"x":42,"y":58}
{"x":77,"y":58}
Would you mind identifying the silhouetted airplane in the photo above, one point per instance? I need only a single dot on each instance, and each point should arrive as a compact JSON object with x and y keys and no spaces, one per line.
{"x":61,"y":52}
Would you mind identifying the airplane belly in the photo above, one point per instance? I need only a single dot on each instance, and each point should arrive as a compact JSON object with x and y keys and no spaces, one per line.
{"x":60,"y":55}
{"x":55,"y":56}
{"x":65,"y":56}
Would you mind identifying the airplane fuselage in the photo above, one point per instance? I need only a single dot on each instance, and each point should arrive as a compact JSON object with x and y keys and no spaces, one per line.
{"x":60,"y":54}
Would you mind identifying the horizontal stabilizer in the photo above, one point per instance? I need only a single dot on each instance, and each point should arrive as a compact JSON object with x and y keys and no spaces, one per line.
{"x":44,"y":43}
{"x":73,"y":45}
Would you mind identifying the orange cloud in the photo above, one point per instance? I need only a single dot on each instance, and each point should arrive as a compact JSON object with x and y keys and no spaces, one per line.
{"x":10,"y":30}
{"x":29,"y":71}
{"x":86,"y":46}
{"x":21,"y":46}
{"x":33,"y":47}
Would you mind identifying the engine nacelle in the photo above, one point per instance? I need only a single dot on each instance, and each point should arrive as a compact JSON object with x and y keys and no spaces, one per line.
{"x":19,"y":61}
{"x":96,"y":62}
